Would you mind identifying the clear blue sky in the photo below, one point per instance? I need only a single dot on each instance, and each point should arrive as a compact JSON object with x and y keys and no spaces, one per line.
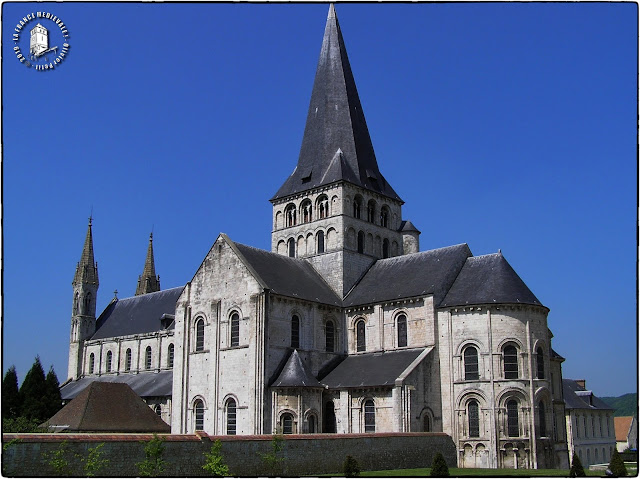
{"x":501,"y":125}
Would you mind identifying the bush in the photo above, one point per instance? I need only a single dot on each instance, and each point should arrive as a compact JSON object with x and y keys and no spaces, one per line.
{"x":273,"y":461}
{"x":95,"y":462}
{"x":350,"y":467}
{"x":576,"y":467}
{"x":439,"y":466}
{"x":154,"y":464}
{"x":59,"y":459}
{"x":215,"y":464}
{"x":616,"y":466}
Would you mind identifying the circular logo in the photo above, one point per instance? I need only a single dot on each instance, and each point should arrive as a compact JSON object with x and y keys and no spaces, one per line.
{"x":41,"y":41}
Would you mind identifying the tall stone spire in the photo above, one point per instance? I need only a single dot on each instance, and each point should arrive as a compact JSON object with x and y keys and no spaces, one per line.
{"x":336,"y":145}
{"x":148,"y":282}
{"x":87,"y":268}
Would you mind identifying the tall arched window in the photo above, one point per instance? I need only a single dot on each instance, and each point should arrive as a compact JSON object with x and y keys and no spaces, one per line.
{"x":513,"y":427}
{"x":170,"y":354}
{"x":320,"y":242}
{"x":371,"y":211}
{"x":329,"y":338}
{"x":231,"y":416}
{"x":369,"y":416}
{"x":360,"y":241}
{"x":385,"y":248}
{"x":76,"y":300}
{"x":510,"y":356}
{"x":305,"y":211}
{"x":542,"y":420}
{"x":402,"y":330}
{"x":199,"y":334}
{"x":295,"y":331}
{"x":426,"y":423}
{"x":109,"y":359}
{"x":87,"y":304}
{"x":235,"y":330}
{"x":92,"y":363}
{"x":287,"y":423}
{"x":290,"y":215}
{"x":540,"y":363}
{"x":474,"y":418}
{"x":357,"y":204}
{"x":147,"y":358}
{"x":361,"y":344}
{"x":329,"y":418}
{"x":322,"y":206}
{"x":312,"y":421}
{"x":471,"y":372}
{"x":127,"y":360}
{"x":291,"y":246}
{"x":384,"y":217}
{"x":198,"y":412}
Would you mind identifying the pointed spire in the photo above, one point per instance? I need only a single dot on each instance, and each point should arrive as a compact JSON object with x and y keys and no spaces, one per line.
{"x":335,"y":121}
{"x":87,"y":268}
{"x":148,"y":282}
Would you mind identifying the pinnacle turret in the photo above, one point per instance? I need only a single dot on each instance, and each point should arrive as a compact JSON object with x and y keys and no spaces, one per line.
{"x":148,"y":282}
{"x":87,"y":268}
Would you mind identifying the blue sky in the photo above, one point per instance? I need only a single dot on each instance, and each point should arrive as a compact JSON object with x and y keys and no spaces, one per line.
{"x":506,"y":126}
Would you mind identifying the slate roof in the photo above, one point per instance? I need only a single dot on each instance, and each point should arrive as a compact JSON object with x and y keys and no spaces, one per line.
{"x":488,"y":279}
{"x":147,"y":384}
{"x":296,"y":374}
{"x":136,"y":315}
{"x":576,"y":397}
{"x":407,"y":225}
{"x":112,"y":407}
{"x":336,"y":145}
{"x":371,"y":369}
{"x":427,"y":272}
{"x":287,"y":276}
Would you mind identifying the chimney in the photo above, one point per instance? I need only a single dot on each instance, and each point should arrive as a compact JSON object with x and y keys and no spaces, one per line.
{"x":581,"y":383}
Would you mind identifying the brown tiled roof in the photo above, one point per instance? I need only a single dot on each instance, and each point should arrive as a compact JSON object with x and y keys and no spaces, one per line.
{"x":107,"y":407}
{"x":622,"y":425}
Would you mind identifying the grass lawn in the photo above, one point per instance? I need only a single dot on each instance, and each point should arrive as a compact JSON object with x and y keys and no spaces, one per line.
{"x":462,"y":472}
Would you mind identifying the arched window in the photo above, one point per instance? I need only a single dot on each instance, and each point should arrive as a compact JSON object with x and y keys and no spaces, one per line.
{"x":170,"y":355}
{"x":361,"y":344}
{"x":329,"y":418}
{"x":305,"y":211}
{"x":385,"y":248}
{"x":287,"y":423}
{"x":542,"y":420}
{"x":312,"y":421}
{"x":199,"y":334}
{"x":513,"y":427}
{"x":87,"y":304}
{"x":320,"y":242}
{"x":593,"y":426}
{"x":357,"y":203}
{"x":322,"y":206}
{"x":584,"y":426}
{"x":596,"y":455}
{"x":295,"y":331}
{"x":360,"y":241}
{"x":369,"y":416}
{"x":76,"y":300}
{"x":426,"y":423}
{"x":147,"y":358}
{"x":588,"y":457}
{"x":198,"y":412}
{"x":109,"y":358}
{"x":235,"y":330}
{"x":540,"y":363}
{"x":291,"y":245}
{"x":510,"y":356}
{"x":290,"y":215}
{"x":371,"y":211}
{"x":329,"y":337}
{"x":384,"y":217}
{"x":474,"y":418}
{"x":402,"y":330}
{"x":92,"y":360}
{"x":127,"y":360}
{"x":158,"y":409}
{"x":231,"y":416}
{"x":471,"y":372}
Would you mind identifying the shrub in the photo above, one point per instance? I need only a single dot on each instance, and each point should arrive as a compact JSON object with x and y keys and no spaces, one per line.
{"x":58,"y":460}
{"x":616,"y":466}
{"x":215,"y":464}
{"x":95,"y":462}
{"x":439,"y":466}
{"x":350,"y":467}
{"x":154,"y":464}
{"x":272,"y":460}
{"x":576,"y":467}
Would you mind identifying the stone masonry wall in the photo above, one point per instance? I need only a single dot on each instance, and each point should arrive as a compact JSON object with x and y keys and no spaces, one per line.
{"x":303,"y":454}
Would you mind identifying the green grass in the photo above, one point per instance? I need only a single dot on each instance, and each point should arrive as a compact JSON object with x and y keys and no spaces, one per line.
{"x":470,"y":472}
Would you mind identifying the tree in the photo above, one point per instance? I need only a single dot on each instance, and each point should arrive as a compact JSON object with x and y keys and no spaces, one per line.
{"x":576,"y":467}
{"x":439,"y":466}
{"x":214,"y":463}
{"x":350,"y":468}
{"x":52,"y":397}
{"x":33,"y":393}
{"x":10,"y":395}
{"x":154,"y":464}
{"x":616,"y":466}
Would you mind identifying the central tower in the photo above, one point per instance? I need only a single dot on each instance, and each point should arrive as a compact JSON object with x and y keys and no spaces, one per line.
{"x":336,"y":209}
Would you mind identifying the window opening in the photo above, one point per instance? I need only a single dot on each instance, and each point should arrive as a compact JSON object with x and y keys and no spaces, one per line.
{"x":200,"y":334}
{"x":510,"y":362}
{"x":109,"y":358}
{"x":235,"y":330}
{"x":474,"y":419}
{"x":540,"y":361}
{"x":295,"y":331}
{"x":171,"y":354}
{"x":231,"y":417}
{"x":369,"y":416}
{"x":402,"y":331}
{"x":471,"y":372}
{"x":198,"y":408}
{"x":512,"y":418}
{"x":320,"y":241}
{"x":543,"y":420}
{"x":147,"y":358}
{"x":360,"y":241}
{"x":360,"y":336}
{"x":287,"y":423}
{"x":127,"y":360}
{"x":330,"y":331}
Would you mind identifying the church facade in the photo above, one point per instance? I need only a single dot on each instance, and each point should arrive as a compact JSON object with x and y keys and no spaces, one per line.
{"x":345,"y":326}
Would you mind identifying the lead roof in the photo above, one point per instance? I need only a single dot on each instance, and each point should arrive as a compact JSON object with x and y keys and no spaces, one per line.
{"x":336,"y":145}
{"x":296,"y":374}
{"x":145,"y":384}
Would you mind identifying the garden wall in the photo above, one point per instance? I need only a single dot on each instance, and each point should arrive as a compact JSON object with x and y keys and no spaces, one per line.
{"x":25,"y":454}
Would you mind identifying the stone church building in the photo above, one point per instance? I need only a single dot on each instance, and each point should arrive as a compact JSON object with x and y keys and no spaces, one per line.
{"x":345,"y":326}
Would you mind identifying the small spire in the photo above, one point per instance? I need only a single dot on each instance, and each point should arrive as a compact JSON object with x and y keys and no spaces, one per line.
{"x":115,"y":294}
{"x":148,"y":282}
{"x":332,"y":11}
{"x":87,"y":268}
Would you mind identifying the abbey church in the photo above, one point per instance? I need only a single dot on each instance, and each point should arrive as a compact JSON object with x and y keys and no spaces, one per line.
{"x":345,"y":326}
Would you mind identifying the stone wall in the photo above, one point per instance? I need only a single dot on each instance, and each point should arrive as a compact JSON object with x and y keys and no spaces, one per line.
{"x":303,"y":454}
